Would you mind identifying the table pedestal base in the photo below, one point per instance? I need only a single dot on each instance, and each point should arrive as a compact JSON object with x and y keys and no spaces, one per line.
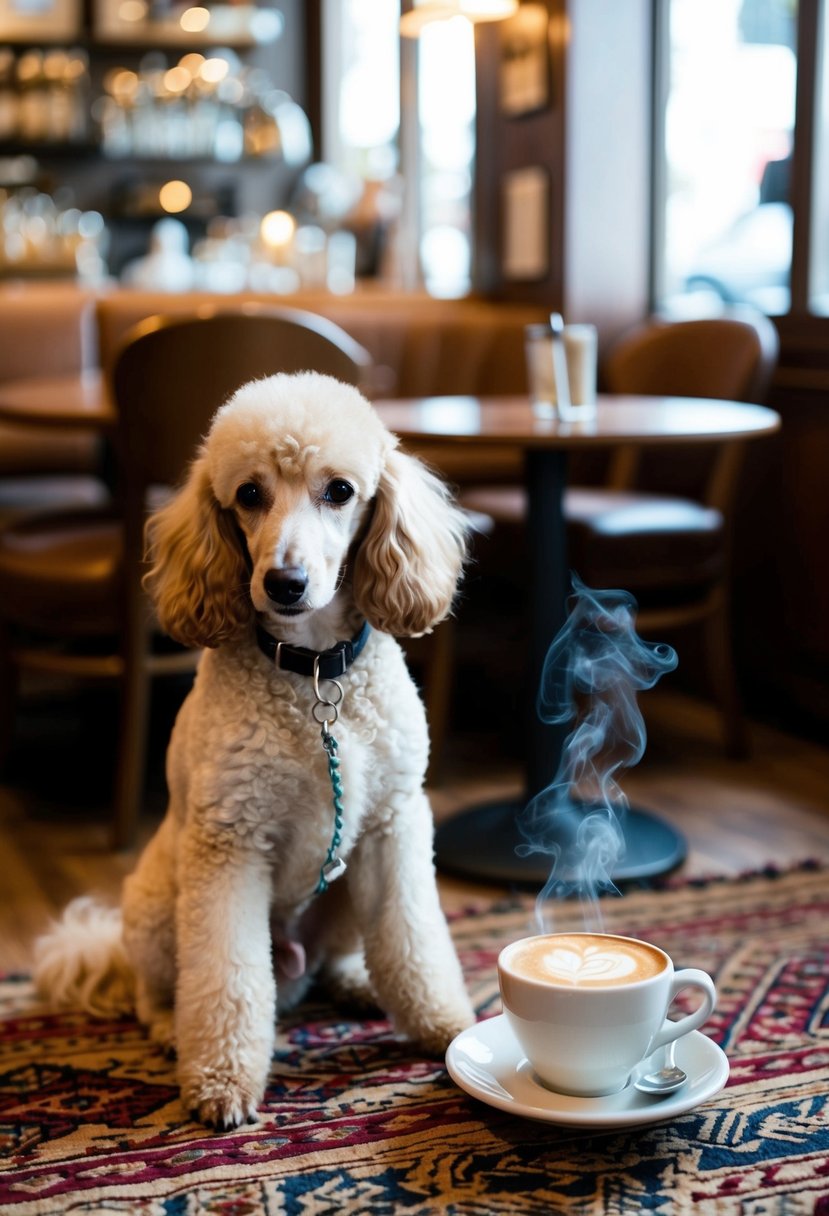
{"x":480,"y":844}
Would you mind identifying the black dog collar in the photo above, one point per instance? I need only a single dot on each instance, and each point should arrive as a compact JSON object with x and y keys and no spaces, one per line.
{"x":332,"y":663}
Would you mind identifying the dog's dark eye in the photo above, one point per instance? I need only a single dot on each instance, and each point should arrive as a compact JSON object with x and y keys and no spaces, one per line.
{"x":338,"y":492}
{"x":249,"y":496}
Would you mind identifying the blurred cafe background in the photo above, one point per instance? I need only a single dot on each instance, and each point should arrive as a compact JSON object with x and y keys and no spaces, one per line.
{"x":434,"y":176}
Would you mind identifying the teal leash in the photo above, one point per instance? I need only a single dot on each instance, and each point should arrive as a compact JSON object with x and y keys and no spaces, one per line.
{"x":333,"y":867}
{"x":325,"y":711}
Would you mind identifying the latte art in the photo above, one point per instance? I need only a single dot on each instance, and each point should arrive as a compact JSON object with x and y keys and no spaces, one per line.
{"x":590,"y":960}
{"x":587,"y":965}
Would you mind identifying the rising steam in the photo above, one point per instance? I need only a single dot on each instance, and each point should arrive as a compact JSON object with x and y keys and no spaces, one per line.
{"x":593,"y":671}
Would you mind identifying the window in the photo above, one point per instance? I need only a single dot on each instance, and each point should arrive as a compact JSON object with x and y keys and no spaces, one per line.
{"x":742,"y":196}
{"x":362,"y":94}
{"x":428,"y":168}
{"x":730,"y":72}
{"x":446,"y":114}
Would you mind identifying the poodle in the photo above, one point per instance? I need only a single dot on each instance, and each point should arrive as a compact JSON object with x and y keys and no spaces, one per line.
{"x":301,"y":544}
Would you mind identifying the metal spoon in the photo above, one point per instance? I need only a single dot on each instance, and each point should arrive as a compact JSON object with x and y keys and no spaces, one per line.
{"x":663,"y":1080}
{"x":560,"y":372}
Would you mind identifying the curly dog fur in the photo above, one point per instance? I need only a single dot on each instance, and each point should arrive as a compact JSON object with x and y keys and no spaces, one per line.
{"x":299,"y":513}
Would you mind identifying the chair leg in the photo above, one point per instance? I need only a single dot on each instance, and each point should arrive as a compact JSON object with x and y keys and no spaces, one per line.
{"x":438,"y":694}
{"x":723,"y":675}
{"x":132,"y":746}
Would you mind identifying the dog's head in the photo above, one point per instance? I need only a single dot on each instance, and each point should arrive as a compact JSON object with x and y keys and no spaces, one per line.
{"x":299,"y":498}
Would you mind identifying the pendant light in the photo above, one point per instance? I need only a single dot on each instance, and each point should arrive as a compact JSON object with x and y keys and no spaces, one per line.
{"x":424,"y":11}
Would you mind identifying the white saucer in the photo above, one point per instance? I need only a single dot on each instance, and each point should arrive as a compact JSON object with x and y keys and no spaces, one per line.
{"x":488,"y":1063}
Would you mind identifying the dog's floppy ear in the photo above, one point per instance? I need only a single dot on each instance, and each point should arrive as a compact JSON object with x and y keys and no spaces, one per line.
{"x":197,"y":569}
{"x":407,"y":567}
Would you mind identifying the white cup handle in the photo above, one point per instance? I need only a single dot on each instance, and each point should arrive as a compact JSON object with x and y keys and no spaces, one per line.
{"x":689,"y":978}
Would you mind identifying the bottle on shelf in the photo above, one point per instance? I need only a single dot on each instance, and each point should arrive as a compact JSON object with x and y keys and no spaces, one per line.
{"x":44,"y":96}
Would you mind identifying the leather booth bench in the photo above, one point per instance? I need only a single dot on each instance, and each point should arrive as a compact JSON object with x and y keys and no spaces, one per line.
{"x":420,"y":347}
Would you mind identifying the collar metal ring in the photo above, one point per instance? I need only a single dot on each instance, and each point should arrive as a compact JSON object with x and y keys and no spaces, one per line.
{"x":333,"y":700}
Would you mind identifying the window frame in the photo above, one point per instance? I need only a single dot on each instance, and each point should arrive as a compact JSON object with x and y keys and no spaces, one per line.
{"x":809,"y":26}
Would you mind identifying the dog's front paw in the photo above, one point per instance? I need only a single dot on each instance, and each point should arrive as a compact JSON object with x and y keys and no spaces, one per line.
{"x":221,"y":1101}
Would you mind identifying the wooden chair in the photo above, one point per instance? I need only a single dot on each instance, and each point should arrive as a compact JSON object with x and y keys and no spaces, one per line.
{"x":661,"y":525}
{"x":71,"y":578}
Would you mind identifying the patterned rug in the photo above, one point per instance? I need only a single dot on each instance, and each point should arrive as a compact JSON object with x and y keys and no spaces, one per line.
{"x":356,"y":1122}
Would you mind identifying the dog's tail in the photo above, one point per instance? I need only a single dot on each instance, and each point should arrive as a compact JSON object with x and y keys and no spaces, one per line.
{"x":80,"y":963}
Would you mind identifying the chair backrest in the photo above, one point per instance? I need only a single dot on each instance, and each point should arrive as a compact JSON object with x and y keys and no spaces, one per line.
{"x":732,"y":357}
{"x":173,"y":373}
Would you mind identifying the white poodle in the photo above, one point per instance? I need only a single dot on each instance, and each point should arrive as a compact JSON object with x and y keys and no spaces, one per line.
{"x":302,"y":542}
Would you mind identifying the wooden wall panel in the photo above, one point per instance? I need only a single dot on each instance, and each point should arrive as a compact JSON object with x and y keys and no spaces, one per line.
{"x":782,"y":553}
{"x":593,"y":141}
{"x":506,"y":143}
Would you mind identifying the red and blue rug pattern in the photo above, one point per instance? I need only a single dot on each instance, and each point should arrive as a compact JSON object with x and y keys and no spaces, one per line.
{"x":356,"y":1121}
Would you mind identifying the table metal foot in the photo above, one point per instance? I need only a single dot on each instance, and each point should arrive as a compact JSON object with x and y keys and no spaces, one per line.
{"x":479,"y":844}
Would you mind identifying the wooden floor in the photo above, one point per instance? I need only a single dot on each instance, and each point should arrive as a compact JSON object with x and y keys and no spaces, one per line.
{"x":736,"y":815}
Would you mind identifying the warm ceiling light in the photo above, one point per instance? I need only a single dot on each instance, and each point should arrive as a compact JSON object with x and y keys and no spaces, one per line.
{"x":412,"y":23}
{"x":192,"y":62}
{"x":214,"y":70}
{"x":177,"y":79}
{"x":175,"y":196}
{"x":194,"y":20}
{"x":277,"y":228}
{"x":132,"y":10}
{"x":424,"y":11}
{"x":122,"y":84}
{"x":487,"y":10}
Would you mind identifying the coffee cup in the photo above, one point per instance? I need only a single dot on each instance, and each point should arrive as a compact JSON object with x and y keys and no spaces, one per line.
{"x":587,"y":1008}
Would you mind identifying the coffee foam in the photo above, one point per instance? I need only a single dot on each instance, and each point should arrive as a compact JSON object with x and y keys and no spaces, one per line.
{"x":586,"y":960}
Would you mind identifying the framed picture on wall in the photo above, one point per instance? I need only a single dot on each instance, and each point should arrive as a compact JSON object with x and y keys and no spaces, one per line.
{"x":524,"y":75}
{"x":40,"y":20}
{"x":525,"y":205}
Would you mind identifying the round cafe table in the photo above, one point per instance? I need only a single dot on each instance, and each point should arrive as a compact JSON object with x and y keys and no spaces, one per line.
{"x":70,"y":401}
{"x":77,"y":399}
{"x":480,"y":842}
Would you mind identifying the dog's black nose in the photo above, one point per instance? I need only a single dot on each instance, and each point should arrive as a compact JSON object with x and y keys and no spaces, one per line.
{"x":286,"y":586}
